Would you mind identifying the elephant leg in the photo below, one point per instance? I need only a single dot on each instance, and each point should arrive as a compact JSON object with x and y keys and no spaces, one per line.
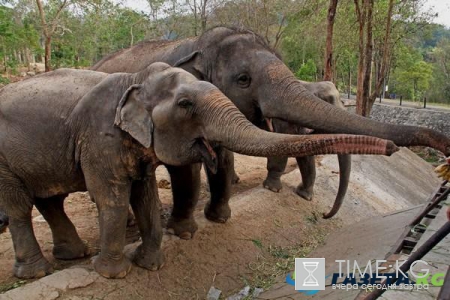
{"x":218,"y":209}
{"x":112,"y":197}
{"x":132,"y":234}
{"x":307,"y":166}
{"x":185,"y":183}
{"x":275,"y":168}
{"x":17,"y":204}
{"x":145,"y":203}
{"x":67,"y":243}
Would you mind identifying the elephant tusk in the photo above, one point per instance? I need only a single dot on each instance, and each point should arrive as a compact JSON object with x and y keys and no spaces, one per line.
{"x":269,"y":124}
{"x":209,"y":148}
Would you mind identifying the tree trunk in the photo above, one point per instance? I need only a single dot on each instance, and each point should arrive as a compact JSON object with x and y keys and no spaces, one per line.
{"x":361,"y":17}
{"x":203,"y":15}
{"x":48,"y":53}
{"x":385,"y":61}
{"x":368,"y":60}
{"x":329,"y":48}
{"x":349,"y":81}
{"x":365,"y":19}
{"x":48,"y":30}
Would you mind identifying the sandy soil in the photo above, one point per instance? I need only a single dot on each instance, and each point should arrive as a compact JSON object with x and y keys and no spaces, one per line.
{"x":260,"y":240}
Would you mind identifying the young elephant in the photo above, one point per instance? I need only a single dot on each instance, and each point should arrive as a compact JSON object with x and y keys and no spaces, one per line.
{"x":326,"y":91}
{"x":75,"y":130}
{"x":4,"y":222}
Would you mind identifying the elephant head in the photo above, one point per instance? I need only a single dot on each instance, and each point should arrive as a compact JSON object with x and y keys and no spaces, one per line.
{"x":252,"y":75}
{"x":181,"y":117}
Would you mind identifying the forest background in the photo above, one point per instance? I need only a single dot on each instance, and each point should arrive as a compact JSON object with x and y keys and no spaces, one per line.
{"x":376,"y":45}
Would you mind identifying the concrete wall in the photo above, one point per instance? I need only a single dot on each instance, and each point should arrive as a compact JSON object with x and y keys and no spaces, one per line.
{"x":438,"y":120}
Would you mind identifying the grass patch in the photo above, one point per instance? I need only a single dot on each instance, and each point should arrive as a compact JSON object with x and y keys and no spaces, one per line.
{"x":276,"y":261}
{"x":257,"y":243}
{"x":312,"y":218}
{"x":10,"y":286}
{"x":430,"y":155}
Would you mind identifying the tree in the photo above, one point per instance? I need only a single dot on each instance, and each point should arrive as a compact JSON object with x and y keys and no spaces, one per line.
{"x":308,"y":71}
{"x":417,"y":78}
{"x":441,"y":70}
{"x":364,"y":14}
{"x":199,"y":11}
{"x":49,"y":27}
{"x":329,"y":48}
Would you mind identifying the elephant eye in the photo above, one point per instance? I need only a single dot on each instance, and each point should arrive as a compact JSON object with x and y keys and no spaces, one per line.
{"x":185,"y":103}
{"x":244,"y":80}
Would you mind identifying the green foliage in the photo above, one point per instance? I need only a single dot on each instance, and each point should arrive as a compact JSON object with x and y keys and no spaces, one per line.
{"x":86,"y":31}
{"x":3,"y":80}
{"x":307,"y":71}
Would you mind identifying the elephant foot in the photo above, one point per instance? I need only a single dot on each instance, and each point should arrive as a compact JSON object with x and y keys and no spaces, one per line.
{"x":36,"y":269}
{"x":68,"y":251}
{"x":306,"y":194}
{"x":112,"y":268}
{"x":184,"y":228}
{"x":273,"y":184}
{"x":217,"y":213}
{"x":152,"y":261}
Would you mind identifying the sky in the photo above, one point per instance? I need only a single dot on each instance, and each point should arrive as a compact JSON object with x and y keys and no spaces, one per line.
{"x":442,"y":7}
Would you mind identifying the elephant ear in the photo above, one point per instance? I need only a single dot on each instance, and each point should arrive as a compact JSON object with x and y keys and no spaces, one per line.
{"x":132,"y":116}
{"x":192,"y":64}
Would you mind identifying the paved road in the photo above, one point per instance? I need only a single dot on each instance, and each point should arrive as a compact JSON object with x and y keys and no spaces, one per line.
{"x":369,"y":240}
{"x":396,"y":102}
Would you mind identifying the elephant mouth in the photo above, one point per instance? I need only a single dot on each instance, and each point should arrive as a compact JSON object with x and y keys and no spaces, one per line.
{"x":3,"y":224}
{"x":209,"y":156}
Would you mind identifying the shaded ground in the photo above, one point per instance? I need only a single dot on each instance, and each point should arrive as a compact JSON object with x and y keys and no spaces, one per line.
{"x":258,"y":244}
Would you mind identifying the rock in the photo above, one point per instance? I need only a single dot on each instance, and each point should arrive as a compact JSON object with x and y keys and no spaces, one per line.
{"x":23,"y":74}
{"x":32,"y":291}
{"x":38,"y":67}
{"x":39,"y":219}
{"x":70,"y":279}
{"x":31,"y":73}
{"x":164,"y":184}
{"x":241,"y":295}
{"x":257,"y":292}
{"x":213,"y":294}
{"x":50,"y":287}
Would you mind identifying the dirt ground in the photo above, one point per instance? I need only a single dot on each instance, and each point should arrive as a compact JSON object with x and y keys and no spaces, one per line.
{"x":258,"y":244}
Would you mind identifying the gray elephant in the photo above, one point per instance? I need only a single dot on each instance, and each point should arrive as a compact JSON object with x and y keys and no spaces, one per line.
{"x":78,"y":130}
{"x":4,"y":222}
{"x":242,"y":65}
{"x":326,"y":91}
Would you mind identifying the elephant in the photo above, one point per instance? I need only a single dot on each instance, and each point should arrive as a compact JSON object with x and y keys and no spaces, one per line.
{"x":252,"y":75}
{"x":326,"y":91}
{"x":79,"y":130}
{"x":4,"y":222}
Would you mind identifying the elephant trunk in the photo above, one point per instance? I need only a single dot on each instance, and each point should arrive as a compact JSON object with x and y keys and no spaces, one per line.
{"x":225,"y":124}
{"x":293,"y":103}
{"x":345,"y":166}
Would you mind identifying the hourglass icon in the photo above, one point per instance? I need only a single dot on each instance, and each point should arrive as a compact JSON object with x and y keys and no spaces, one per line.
{"x":310,"y":267}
